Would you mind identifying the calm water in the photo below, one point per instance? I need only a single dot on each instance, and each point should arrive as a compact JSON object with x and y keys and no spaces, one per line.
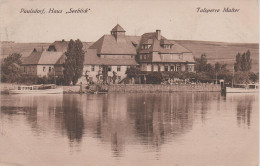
{"x":177,"y":129}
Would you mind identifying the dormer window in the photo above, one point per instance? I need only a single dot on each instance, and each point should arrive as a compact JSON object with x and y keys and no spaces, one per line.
{"x":146,"y":46}
{"x":167,"y":46}
{"x":52,"y":48}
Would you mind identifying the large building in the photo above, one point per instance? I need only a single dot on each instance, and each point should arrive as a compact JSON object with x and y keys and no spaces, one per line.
{"x":156,"y":53}
{"x":115,"y":52}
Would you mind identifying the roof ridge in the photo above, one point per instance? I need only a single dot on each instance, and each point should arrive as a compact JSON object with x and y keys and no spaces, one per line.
{"x":102,"y":42}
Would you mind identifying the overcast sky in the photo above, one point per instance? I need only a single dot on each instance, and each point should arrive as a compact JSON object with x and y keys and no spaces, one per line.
{"x":178,"y":20}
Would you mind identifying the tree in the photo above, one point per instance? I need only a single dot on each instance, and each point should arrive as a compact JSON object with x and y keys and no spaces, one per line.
{"x":243,"y":62}
{"x":73,"y":66}
{"x":202,"y":64}
{"x":132,"y":72}
{"x":86,"y":76}
{"x":104,"y":73}
{"x":114,"y":77}
{"x":242,"y":68}
{"x":10,"y":68}
{"x":221,"y":72}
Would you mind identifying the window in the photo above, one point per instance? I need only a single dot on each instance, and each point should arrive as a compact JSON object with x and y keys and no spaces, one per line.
{"x":159,"y":68}
{"x":165,"y":68}
{"x":24,"y":69}
{"x":146,"y":46}
{"x":178,"y":67}
{"x":109,"y":68}
{"x":49,"y":69}
{"x":186,"y":68}
{"x":43,"y":69}
{"x":118,"y":68}
{"x":92,"y":67}
{"x":172,"y":68}
{"x":190,"y":68}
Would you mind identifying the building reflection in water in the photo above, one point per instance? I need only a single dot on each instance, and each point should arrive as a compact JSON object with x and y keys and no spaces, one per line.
{"x":118,"y":119}
{"x":146,"y":119}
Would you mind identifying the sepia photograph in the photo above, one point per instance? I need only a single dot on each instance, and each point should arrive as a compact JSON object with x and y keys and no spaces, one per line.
{"x":129,"y":83}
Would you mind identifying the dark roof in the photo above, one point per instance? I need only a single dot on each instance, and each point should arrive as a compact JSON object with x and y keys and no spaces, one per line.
{"x":32,"y":59}
{"x":165,"y":41}
{"x":108,"y":44}
{"x":61,"y":60}
{"x":60,"y":46}
{"x":43,"y":58}
{"x":91,"y":58}
{"x":149,"y":38}
{"x":86,"y":45}
{"x":117,"y":28}
{"x":185,"y":58}
{"x":49,"y":57}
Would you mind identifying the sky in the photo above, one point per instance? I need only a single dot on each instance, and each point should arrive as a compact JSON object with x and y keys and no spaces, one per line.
{"x":177,"y":20}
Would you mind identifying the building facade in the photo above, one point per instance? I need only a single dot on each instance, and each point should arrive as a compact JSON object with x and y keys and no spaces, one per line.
{"x":115,"y":53}
{"x":156,"y":53}
{"x":41,"y":63}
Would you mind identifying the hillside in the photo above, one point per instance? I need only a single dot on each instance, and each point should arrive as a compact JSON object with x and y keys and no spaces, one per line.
{"x":215,"y":51}
{"x":24,"y":49}
{"x":222,"y":52}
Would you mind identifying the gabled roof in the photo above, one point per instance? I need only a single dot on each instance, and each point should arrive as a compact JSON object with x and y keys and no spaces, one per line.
{"x":108,"y":44}
{"x":165,"y":41}
{"x":156,"y":44}
{"x":60,"y":46}
{"x":49,"y":57}
{"x":61,"y":60}
{"x":117,"y":28}
{"x":91,"y":58}
{"x":32,"y":59}
{"x":43,"y":58}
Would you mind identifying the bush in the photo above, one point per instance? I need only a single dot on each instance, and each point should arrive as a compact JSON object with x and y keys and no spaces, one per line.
{"x":154,"y":78}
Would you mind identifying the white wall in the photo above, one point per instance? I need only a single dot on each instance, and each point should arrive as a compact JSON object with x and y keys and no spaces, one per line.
{"x":92,"y":74}
{"x":42,"y":73}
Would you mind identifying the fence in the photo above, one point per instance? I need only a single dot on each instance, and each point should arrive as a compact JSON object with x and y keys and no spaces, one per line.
{"x":139,"y":88}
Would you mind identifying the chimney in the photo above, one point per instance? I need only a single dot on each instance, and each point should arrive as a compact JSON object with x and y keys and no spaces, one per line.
{"x":158,"y":34}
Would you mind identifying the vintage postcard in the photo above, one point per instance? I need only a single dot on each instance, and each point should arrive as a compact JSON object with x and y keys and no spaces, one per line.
{"x":129,"y":82}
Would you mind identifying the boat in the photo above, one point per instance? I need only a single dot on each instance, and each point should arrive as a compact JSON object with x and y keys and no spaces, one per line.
{"x":243,"y":88}
{"x":37,"y":89}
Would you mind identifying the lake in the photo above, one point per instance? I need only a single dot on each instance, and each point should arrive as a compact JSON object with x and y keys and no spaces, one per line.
{"x":175,"y":129}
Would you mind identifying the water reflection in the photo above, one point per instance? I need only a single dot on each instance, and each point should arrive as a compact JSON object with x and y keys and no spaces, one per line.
{"x":70,"y":115}
{"x":120,"y":119}
{"x":151,"y":119}
{"x":244,"y":108}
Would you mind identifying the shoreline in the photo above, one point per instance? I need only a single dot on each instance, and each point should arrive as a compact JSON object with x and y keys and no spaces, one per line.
{"x":128,"y":88}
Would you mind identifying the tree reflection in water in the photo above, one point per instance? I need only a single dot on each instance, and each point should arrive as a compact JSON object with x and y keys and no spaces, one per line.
{"x":146,"y":119}
{"x":72,"y":119}
{"x":244,"y":109}
{"x":118,"y":119}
